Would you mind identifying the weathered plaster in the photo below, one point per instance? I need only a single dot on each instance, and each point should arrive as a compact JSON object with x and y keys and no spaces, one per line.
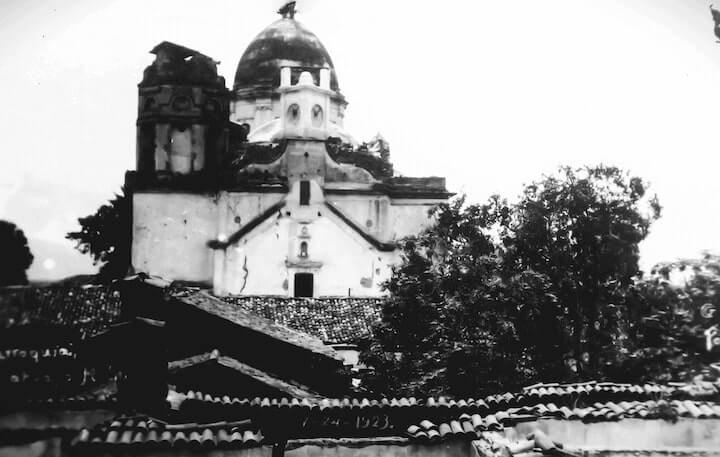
{"x":171,"y":230}
{"x":385,"y":218}
{"x":137,"y":451}
{"x":376,"y":448}
{"x":170,"y":235}
{"x":270,"y":253}
{"x":408,"y":217}
{"x":626,"y":434}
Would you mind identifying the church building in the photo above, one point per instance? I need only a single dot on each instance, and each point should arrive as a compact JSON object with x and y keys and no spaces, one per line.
{"x":260,"y":190}
{"x":262,"y":235}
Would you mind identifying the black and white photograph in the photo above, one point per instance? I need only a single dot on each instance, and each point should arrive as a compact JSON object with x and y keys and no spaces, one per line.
{"x":317,"y":228}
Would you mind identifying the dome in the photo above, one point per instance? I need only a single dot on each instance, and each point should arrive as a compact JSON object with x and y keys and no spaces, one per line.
{"x":285,"y":43}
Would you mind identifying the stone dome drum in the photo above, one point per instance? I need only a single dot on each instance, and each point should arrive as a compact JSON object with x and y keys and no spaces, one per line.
{"x":285,"y":43}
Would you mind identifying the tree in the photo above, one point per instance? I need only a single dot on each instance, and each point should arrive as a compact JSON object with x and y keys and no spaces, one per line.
{"x":580,"y":229}
{"x":494,"y":296}
{"x":16,"y":257}
{"x":107,"y":236}
{"x":448,"y":325}
{"x":670,"y":311}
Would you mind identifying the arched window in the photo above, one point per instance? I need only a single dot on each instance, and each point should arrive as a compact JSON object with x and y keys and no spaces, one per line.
{"x":303,"y":250}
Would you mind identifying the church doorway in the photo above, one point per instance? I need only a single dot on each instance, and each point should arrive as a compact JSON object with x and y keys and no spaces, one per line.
{"x":304,"y":284}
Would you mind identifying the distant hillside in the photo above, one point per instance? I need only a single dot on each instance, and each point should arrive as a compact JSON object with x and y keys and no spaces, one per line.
{"x":66,"y":261}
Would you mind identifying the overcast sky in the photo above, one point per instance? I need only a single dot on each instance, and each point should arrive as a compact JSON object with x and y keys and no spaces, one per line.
{"x":489,"y":94}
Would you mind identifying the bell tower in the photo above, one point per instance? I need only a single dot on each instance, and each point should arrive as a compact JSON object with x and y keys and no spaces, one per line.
{"x":182,"y":113}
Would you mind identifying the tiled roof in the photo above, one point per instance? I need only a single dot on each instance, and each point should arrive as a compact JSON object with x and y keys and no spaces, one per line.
{"x":196,"y":398}
{"x":144,"y":432}
{"x":253,"y":321}
{"x":387,"y":417}
{"x":333,"y":320}
{"x":39,"y":329}
{"x":551,"y":390}
{"x":87,"y":309}
{"x":473,"y":425}
{"x":240,"y":421}
{"x":568,"y":395}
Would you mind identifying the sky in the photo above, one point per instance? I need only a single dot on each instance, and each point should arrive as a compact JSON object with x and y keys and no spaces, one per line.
{"x":491,"y":95}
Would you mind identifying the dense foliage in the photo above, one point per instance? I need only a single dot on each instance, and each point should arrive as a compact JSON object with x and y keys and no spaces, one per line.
{"x":669,"y":313}
{"x":107,"y":236}
{"x":580,"y":230}
{"x":16,"y":257}
{"x":448,"y":325}
{"x":498,"y":295}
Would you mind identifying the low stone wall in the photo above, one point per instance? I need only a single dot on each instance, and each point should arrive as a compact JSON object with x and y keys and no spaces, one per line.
{"x":377,"y":447}
{"x":626,"y":435}
{"x":264,"y":451}
{"x":663,"y":452}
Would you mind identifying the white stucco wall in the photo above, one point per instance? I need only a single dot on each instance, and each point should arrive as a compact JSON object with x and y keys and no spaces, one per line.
{"x":265,"y":261}
{"x":409,"y":216}
{"x":170,"y":235}
{"x":171,"y":230}
{"x":369,"y":212}
{"x":626,"y":434}
{"x":236,"y":209}
{"x":385,"y":218}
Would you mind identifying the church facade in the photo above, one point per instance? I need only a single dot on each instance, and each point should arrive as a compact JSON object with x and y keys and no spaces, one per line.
{"x":259,"y":190}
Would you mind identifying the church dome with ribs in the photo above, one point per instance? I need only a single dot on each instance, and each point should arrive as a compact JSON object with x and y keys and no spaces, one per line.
{"x":285,"y":43}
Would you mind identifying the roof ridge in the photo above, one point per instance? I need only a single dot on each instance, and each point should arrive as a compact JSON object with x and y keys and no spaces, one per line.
{"x":379,"y":245}
{"x":247,"y":228}
{"x":216,"y":306}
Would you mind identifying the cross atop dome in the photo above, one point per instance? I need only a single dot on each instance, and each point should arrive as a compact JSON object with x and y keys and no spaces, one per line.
{"x":287,"y":11}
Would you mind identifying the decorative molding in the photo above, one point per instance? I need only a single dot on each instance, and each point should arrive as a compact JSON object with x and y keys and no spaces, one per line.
{"x":303,"y":264}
